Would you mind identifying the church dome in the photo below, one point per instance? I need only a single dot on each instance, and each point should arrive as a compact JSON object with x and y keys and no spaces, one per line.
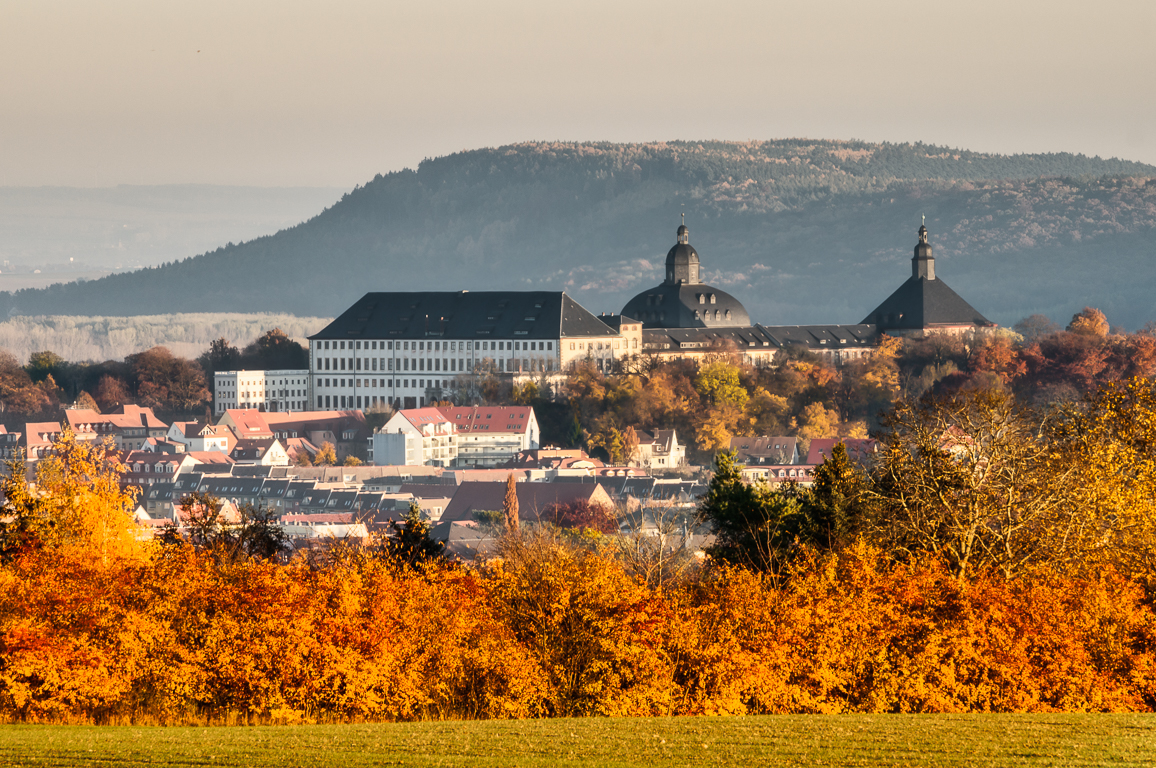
{"x":683,"y":300}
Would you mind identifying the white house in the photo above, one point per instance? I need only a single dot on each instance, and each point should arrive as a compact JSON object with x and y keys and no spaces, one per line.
{"x":415,"y":436}
{"x":282,"y":390}
{"x":196,"y":436}
{"x":489,"y":436}
{"x":660,"y":450}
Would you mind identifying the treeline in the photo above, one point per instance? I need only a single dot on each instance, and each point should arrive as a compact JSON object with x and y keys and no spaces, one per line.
{"x":97,"y":625}
{"x":777,"y":223}
{"x":156,"y":378}
{"x":80,"y":339}
{"x":801,"y":395}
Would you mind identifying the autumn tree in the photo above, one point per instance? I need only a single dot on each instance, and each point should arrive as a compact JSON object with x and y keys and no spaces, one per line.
{"x":168,"y":382}
{"x":326,"y":455}
{"x":629,"y":446}
{"x":1089,"y":322}
{"x":18,"y":393}
{"x":968,"y":479}
{"x":85,"y":400}
{"x":76,"y":507}
{"x":510,"y":504}
{"x":111,"y":392}
{"x":580,"y":514}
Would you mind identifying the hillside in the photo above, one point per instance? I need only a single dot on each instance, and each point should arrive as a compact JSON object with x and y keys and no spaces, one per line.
{"x":801,"y":231}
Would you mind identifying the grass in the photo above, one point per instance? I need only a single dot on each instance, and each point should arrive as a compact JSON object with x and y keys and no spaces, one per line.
{"x":788,"y":740}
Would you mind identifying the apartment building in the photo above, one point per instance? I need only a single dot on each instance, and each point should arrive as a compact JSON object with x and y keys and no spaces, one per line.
{"x":276,"y":390}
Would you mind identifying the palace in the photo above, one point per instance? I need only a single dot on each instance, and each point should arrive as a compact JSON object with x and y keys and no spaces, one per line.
{"x":407,"y":349}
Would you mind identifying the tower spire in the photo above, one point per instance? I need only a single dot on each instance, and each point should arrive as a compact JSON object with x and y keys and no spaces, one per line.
{"x":923,"y":263}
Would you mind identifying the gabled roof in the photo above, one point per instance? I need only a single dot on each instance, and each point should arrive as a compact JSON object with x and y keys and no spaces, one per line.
{"x":249,"y":423}
{"x":922,"y":303}
{"x":760,"y":449}
{"x":210,"y":457}
{"x":419,"y":416}
{"x":533,"y":498}
{"x":858,"y":448}
{"x":464,"y":315}
{"x":489,"y":419}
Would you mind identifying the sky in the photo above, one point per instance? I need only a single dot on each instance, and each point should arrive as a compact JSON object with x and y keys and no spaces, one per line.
{"x":331,"y":93}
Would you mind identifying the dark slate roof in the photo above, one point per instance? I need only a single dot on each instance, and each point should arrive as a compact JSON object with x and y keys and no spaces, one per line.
{"x":815,"y":337}
{"x":923,"y":303}
{"x":819,"y":337}
{"x":465,"y":315}
{"x":704,"y":338}
{"x":672,"y":305}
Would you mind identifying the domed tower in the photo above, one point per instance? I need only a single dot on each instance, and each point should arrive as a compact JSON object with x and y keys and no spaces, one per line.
{"x":682,"y":263}
{"x":683,"y":300}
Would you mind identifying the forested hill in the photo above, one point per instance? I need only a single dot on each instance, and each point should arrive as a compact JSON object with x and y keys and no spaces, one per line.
{"x":800,"y":231}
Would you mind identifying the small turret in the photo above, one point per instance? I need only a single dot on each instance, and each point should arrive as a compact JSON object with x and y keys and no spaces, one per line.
{"x":923,"y":263}
{"x":682,"y":265}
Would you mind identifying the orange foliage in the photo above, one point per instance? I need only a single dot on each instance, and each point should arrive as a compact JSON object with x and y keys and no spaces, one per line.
{"x":556,"y":630}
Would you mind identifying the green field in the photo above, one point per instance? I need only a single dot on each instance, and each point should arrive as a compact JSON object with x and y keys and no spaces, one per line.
{"x":927,"y":740}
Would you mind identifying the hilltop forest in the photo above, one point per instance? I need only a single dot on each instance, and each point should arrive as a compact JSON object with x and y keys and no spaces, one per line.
{"x":801,"y":231}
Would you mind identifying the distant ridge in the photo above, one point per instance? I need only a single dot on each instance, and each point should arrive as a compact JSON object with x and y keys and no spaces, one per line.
{"x":800,"y":231}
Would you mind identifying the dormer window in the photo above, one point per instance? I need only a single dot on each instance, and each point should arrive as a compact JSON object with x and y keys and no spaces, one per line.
{"x":712,"y":298}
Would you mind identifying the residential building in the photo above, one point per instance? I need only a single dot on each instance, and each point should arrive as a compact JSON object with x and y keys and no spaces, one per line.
{"x":660,"y":450}
{"x":277,"y":390}
{"x":757,"y":451}
{"x":533,"y":498}
{"x":416,"y":436}
{"x":129,"y":426}
{"x":803,"y":474}
{"x":859,"y":449}
{"x":196,"y":436}
{"x":267,"y":452}
{"x":490,"y":436}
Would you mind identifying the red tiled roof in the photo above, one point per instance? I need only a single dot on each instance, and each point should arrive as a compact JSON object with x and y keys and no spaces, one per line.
{"x":498,"y":418}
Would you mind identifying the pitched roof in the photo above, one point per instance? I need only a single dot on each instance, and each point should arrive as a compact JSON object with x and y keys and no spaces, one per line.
{"x":250,"y":422}
{"x":922,"y":303}
{"x":465,"y":315}
{"x":858,"y":448}
{"x":759,"y":449}
{"x":533,"y":498}
{"x":210,"y":457}
{"x":489,"y":419}
{"x":418,"y":416}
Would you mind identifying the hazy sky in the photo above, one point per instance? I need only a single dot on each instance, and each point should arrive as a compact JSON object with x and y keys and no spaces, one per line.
{"x":330,"y":93}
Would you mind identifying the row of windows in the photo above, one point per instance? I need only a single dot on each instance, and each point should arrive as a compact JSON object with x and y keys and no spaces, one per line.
{"x":632,"y":343}
{"x":451,"y":364}
{"x":383,"y":383}
{"x":439,"y":346}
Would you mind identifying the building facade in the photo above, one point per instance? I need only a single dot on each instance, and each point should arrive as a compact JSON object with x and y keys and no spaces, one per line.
{"x":281,"y":390}
{"x":410,"y":349}
{"x":415,"y":436}
{"x":491,"y":436}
